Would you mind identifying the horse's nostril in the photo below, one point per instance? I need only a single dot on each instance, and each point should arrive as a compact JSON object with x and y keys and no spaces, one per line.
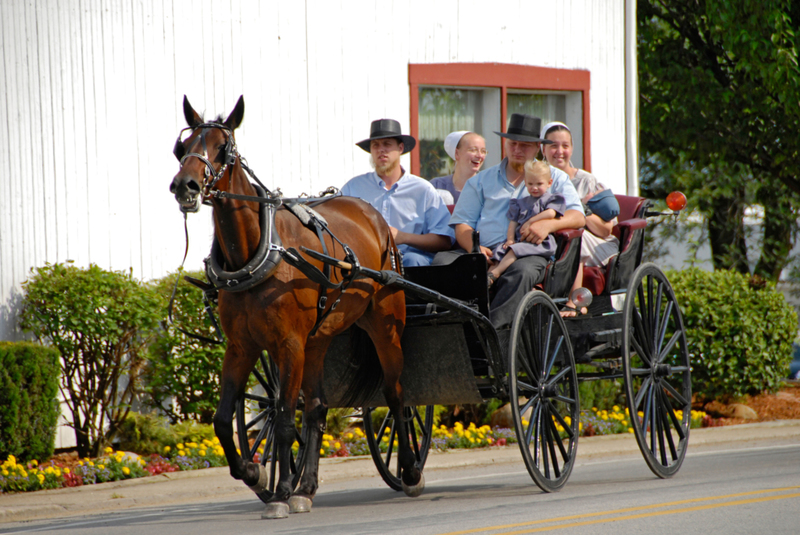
{"x":193,"y":186}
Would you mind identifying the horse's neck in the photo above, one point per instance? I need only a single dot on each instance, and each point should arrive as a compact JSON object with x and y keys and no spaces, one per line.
{"x":236,"y":223}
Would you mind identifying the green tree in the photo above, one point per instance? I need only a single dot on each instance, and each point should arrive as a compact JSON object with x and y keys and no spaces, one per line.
{"x":720,"y":87}
{"x":100,"y":322}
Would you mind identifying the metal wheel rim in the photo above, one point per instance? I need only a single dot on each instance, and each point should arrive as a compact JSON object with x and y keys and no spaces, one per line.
{"x":420,"y":442}
{"x":266,"y":374}
{"x":657,"y":370}
{"x":552,"y":398}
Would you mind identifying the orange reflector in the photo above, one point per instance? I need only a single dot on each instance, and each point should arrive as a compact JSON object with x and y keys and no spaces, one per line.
{"x":676,"y":201}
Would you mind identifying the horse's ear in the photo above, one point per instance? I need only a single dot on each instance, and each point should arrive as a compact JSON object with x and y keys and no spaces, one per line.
{"x":192,"y":117}
{"x":235,"y":118}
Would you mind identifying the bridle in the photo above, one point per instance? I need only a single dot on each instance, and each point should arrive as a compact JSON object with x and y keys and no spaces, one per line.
{"x":210,"y":175}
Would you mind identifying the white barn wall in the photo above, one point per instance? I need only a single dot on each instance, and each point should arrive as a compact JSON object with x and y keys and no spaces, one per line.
{"x":91,"y":95}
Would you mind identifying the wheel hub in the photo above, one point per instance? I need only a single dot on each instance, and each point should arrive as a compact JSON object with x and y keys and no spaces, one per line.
{"x":663,"y":370}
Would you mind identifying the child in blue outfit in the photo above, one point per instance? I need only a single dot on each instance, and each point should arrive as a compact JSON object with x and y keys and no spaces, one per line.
{"x":539,"y":205}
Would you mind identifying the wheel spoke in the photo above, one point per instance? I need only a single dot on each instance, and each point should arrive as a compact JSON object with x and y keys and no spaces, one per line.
{"x":638,"y":349}
{"x":545,"y":346}
{"x":670,"y":345}
{"x":643,"y":388}
{"x":678,"y":425}
{"x":640,"y":371}
{"x":682,"y":401}
{"x":554,"y":354}
{"x":555,"y":379}
{"x":525,"y":388}
{"x":562,"y":422}
{"x":662,"y":332}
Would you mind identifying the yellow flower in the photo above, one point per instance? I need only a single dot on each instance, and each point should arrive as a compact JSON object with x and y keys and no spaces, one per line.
{"x":101,"y":466}
{"x":203,"y":453}
{"x":66,"y":470}
{"x":337,"y":445}
{"x":12,"y":459}
{"x":109,"y":450}
{"x":327,"y":437}
{"x":215,"y":440}
{"x":322,"y":452}
{"x":58,"y":472}
{"x":490,"y":440}
{"x":5,"y":472}
{"x":630,"y":430}
{"x":126,"y":470}
{"x":326,"y":443}
{"x":49,"y":470}
{"x":23,"y":473}
{"x":34,"y":463}
{"x":181,"y":453}
{"x":179,"y":446}
{"x":192,"y":444}
{"x":90,"y":463}
{"x":385,"y":439}
{"x":348,"y":436}
{"x":41,"y":478}
{"x":359,"y":432}
{"x":167,"y":449}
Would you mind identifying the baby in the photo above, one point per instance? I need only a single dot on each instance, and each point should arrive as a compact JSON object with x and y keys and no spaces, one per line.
{"x":540,"y":205}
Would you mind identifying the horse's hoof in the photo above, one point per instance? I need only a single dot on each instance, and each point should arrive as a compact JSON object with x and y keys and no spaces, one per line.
{"x":299,"y":504}
{"x":415,"y":490}
{"x":276,"y":510}
{"x":263,"y":480}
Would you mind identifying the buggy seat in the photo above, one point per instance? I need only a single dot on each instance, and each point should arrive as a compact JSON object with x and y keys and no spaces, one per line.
{"x":630,"y":232}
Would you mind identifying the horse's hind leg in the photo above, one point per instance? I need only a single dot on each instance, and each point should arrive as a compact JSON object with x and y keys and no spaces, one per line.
{"x":384,"y":323}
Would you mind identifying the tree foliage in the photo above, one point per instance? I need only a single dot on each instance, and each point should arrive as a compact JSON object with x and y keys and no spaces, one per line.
{"x":99,"y":321}
{"x":183,"y":373}
{"x":720,"y":86}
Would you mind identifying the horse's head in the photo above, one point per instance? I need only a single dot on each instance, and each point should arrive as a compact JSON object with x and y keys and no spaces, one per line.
{"x":205,"y":155}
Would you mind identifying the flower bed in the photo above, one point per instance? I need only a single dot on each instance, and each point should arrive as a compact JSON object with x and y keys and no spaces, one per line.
{"x":116,"y":466}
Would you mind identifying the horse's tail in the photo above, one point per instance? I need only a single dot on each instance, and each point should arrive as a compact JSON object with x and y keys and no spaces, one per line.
{"x":364,"y":375}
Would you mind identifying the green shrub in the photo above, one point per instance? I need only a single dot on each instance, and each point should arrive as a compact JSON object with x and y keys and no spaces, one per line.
{"x":600,"y":394}
{"x":739,"y":332}
{"x":182,"y":374}
{"x":99,"y":321}
{"x":146,"y":434}
{"x":29,"y":400}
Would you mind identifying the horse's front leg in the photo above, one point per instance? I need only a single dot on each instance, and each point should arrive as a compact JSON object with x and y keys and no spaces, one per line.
{"x":235,"y":371}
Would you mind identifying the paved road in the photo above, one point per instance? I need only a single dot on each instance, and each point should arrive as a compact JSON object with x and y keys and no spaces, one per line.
{"x":751,"y":485}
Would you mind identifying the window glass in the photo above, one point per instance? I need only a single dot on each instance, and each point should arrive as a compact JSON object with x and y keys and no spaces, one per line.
{"x":547,"y":107}
{"x":441,"y":111}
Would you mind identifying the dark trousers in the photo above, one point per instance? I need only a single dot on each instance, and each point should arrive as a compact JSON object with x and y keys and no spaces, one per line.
{"x":510,"y":288}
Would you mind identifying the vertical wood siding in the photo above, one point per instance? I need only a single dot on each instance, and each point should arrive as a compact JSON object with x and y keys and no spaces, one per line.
{"x":91,"y":91}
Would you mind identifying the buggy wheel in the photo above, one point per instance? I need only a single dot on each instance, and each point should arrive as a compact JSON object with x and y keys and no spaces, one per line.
{"x":657,"y":370}
{"x":420,"y":433}
{"x":254,"y":409}
{"x":544,"y":391}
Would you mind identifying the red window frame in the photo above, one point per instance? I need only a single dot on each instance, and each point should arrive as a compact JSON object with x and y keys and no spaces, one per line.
{"x":504,"y":76}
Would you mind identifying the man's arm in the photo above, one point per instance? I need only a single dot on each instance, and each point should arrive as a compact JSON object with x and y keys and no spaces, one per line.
{"x":598,"y":227}
{"x":537,"y":231}
{"x":432,"y":243}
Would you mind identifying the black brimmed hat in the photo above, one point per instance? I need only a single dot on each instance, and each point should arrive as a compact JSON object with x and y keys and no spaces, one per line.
{"x":384,"y":128}
{"x":524,"y":127}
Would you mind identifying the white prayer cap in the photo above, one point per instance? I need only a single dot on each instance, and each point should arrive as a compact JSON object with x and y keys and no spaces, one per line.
{"x":550,"y":125}
{"x":451,"y":142}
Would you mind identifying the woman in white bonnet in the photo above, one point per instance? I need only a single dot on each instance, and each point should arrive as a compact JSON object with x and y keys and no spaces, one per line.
{"x":468,"y":149}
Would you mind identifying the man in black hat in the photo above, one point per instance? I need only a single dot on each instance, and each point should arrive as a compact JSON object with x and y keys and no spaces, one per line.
{"x":416,"y":214}
{"x":483,"y":205}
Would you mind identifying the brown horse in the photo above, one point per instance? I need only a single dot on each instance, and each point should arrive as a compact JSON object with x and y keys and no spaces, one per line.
{"x":280,"y":313}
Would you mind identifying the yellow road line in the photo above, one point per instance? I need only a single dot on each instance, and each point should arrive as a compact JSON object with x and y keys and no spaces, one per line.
{"x":632,"y":509}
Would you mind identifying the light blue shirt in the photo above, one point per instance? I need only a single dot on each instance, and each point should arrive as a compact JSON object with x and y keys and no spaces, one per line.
{"x":410,"y":205}
{"x":483,"y":203}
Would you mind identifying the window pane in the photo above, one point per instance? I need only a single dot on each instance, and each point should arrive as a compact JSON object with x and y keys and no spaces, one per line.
{"x":442,"y":111}
{"x":546,"y":107}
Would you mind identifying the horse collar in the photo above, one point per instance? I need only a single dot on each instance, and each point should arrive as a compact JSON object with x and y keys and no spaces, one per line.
{"x":260,"y":267}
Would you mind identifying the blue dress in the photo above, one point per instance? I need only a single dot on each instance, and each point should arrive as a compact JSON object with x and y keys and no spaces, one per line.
{"x":446,"y":183}
{"x":521,"y":210}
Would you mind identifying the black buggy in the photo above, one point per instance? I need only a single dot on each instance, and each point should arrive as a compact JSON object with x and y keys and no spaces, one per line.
{"x":453,"y":355}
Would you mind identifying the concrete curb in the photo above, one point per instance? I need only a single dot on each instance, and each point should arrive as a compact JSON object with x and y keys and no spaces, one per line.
{"x":183,"y":487}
